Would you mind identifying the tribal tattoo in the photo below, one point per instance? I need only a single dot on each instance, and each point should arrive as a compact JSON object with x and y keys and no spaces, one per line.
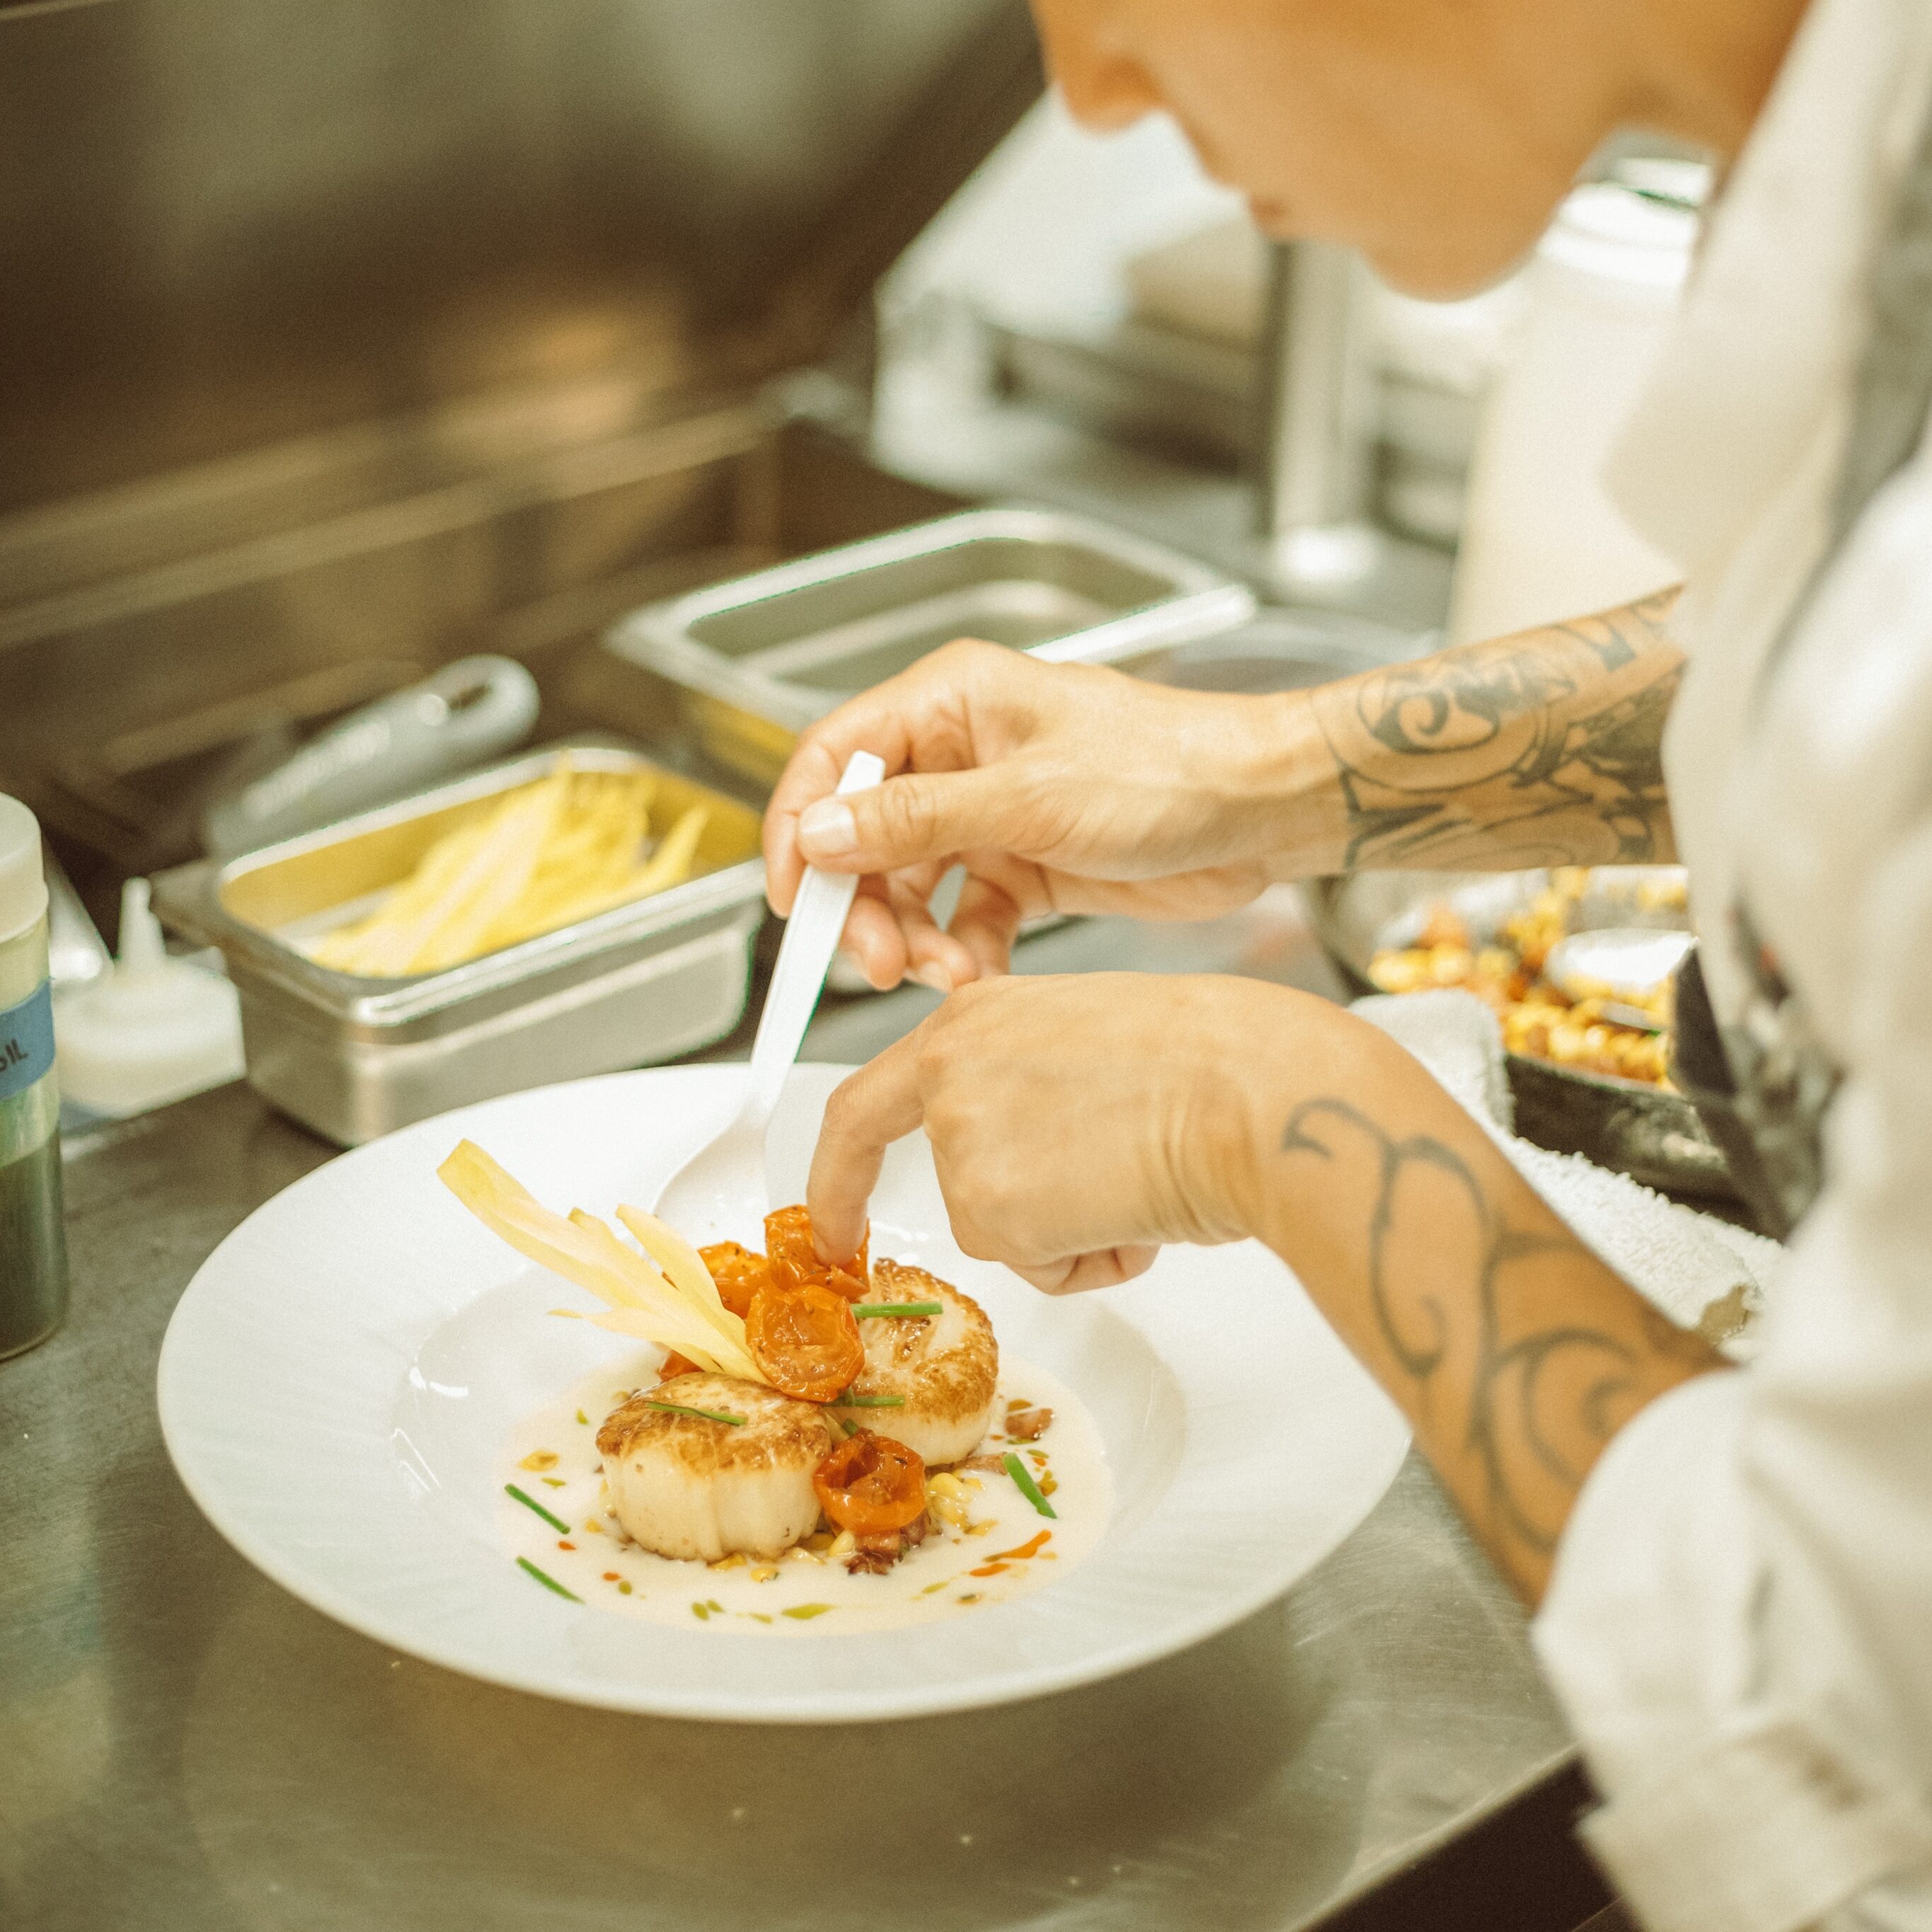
{"x":1540,"y":749}
{"x":1517,"y":1353}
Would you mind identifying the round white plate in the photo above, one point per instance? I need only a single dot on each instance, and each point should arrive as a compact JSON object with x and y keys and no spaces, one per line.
{"x":338,"y":1380}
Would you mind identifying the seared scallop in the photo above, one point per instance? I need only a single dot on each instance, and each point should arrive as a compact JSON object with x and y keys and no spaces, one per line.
{"x":691,"y":1485}
{"x":945,"y":1367}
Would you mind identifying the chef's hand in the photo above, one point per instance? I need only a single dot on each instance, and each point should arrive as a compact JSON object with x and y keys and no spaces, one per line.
{"x":1079,"y":1123}
{"x":1061,"y":787}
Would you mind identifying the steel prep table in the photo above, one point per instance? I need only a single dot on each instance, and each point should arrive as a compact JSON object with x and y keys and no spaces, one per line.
{"x":183,"y":1744}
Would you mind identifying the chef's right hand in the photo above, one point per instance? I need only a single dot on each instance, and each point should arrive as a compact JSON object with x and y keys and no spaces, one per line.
{"x":1060,"y":788}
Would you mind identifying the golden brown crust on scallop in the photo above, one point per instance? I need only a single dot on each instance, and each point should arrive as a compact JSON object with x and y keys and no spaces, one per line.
{"x":777,"y":1432}
{"x":948,"y":1363}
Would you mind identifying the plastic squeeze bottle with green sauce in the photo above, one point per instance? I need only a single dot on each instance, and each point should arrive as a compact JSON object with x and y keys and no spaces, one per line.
{"x":33,"y":1246}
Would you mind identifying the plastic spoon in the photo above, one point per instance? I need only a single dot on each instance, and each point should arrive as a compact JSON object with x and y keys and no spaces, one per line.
{"x":720,"y":1193}
{"x":1624,"y":965}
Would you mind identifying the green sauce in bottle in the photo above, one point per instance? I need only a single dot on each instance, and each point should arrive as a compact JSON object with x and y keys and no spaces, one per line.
{"x":33,"y":1246}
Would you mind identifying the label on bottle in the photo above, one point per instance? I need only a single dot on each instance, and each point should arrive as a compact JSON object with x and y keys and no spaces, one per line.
{"x":27,"y":1041}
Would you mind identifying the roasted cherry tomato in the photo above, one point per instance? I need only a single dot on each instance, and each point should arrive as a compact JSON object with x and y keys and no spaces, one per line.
{"x":806,"y":1340}
{"x":871,"y":1485}
{"x":738,"y":1273}
{"x":794,"y":1261}
{"x":676,"y":1365}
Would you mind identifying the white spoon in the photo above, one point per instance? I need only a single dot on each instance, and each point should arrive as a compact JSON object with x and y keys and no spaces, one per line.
{"x":720,"y":1193}
{"x":1625,"y":964}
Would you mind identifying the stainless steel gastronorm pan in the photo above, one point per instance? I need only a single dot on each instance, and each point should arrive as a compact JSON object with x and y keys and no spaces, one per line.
{"x":353,"y":1057}
{"x":757,"y":658}
{"x":1649,"y":1133}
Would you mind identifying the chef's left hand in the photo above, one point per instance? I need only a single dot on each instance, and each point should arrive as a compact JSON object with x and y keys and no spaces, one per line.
{"x":1079,"y":1123}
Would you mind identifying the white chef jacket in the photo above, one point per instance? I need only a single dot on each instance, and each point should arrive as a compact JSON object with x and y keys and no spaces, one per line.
{"x":1740,"y":1623}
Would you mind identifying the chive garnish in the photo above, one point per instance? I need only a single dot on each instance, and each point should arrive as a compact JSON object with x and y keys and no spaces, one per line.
{"x":849,"y":1400}
{"x":531,"y":1503}
{"x":548,"y":1582}
{"x":1028,"y":1488}
{"x":703,"y":1414}
{"x":805,"y":1613}
{"x":702,"y":1612}
{"x":863,"y":1309}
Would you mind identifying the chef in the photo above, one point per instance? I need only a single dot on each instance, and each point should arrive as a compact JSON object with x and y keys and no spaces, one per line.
{"x":1732,"y":1567}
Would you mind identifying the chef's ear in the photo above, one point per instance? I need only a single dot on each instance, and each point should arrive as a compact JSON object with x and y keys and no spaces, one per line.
{"x":1105,"y":88}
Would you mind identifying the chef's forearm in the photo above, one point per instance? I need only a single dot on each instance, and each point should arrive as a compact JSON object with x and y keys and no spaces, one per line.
{"x":1542,"y":748}
{"x":1515,"y":1352}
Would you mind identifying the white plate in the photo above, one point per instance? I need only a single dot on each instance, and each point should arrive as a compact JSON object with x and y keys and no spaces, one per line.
{"x":339,"y":1378}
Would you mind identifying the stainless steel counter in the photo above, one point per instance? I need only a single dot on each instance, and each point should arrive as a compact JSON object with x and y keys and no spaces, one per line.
{"x":182,"y":1745}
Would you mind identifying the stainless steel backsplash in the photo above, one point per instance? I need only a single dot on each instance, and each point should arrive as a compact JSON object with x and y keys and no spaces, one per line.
{"x":227,"y":223}
{"x":340,"y":337}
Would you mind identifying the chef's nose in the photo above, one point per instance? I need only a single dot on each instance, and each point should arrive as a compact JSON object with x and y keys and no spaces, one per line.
{"x":1105,"y":87}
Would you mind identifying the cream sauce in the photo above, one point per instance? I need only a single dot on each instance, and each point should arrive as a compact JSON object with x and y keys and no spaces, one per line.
{"x":593,"y":1560}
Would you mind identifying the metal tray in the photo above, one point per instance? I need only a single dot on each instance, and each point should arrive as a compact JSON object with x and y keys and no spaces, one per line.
{"x":354,"y":1057}
{"x":757,"y":659}
{"x":1653,"y":1135}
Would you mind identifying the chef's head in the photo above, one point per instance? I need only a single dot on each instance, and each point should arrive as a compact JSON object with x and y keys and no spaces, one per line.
{"x":1436,"y":135}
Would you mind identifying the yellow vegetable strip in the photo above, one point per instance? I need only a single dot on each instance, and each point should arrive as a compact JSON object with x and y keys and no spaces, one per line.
{"x":349,"y":947}
{"x":683,"y":1267}
{"x":492,"y":883}
{"x":409,"y":938}
{"x":641,"y":1302}
{"x":725,"y":1351}
{"x":398,"y":935}
{"x":659,"y":874}
{"x":670,"y":864}
{"x":562,"y":849}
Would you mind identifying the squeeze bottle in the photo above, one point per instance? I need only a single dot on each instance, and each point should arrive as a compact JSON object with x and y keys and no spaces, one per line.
{"x":33,"y":1243}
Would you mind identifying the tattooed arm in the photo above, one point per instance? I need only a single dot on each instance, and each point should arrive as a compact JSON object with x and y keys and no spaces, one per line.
{"x":1076,"y":1124}
{"x":1516,"y":1353}
{"x":1539,"y":749}
{"x":1064,"y":788}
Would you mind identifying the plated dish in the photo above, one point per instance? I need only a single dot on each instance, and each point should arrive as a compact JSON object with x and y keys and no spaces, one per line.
{"x":835,"y":1440}
{"x":358,"y":1374}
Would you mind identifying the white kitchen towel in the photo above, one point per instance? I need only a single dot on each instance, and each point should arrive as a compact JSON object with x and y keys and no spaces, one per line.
{"x":1702,"y":1272}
